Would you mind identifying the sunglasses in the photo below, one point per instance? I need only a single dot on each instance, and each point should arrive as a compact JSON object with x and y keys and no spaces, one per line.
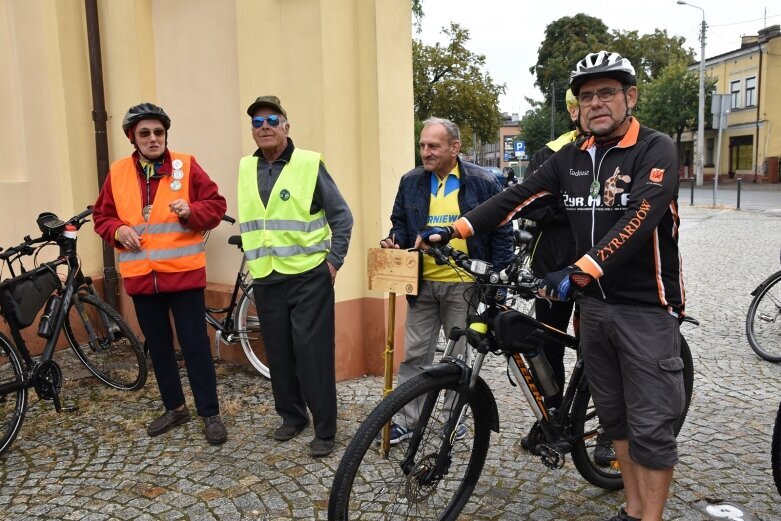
{"x":158,"y":132}
{"x":273,"y":121}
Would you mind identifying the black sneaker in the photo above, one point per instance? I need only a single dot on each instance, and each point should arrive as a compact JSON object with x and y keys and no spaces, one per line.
{"x":526,"y":443}
{"x":168,"y":421}
{"x":319,"y":447}
{"x":604,"y":455}
{"x":288,"y":432}
{"x":215,"y":430}
{"x":623,"y":516}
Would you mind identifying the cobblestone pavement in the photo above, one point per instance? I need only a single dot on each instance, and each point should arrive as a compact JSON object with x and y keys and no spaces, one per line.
{"x":97,"y":463}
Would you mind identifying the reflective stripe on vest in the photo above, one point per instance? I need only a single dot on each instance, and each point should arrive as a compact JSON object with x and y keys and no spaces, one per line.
{"x":166,"y":245}
{"x":283,"y":237}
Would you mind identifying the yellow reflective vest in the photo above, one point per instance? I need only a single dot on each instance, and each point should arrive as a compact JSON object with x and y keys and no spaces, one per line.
{"x":283,"y":237}
{"x":167,"y":246}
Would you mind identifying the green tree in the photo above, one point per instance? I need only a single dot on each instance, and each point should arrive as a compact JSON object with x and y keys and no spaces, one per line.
{"x":535,"y":125}
{"x":669,"y":102}
{"x":650,"y":53}
{"x":449,"y":81}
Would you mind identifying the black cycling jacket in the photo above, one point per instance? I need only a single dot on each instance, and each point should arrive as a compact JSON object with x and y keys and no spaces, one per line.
{"x":626,"y":236}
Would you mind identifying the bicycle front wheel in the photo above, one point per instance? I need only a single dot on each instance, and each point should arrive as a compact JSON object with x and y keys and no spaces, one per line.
{"x":105,"y":343}
{"x":592,"y":445}
{"x":248,"y":325}
{"x":775,"y":451}
{"x":763,"y":321}
{"x":13,"y":395}
{"x":403,"y":484}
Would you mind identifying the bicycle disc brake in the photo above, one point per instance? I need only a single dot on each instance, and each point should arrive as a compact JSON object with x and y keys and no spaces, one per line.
{"x":418,"y":486}
{"x":47,"y":382}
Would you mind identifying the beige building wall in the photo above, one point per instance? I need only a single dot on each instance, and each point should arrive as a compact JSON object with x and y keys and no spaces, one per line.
{"x":342,"y":69}
{"x":760,"y":121}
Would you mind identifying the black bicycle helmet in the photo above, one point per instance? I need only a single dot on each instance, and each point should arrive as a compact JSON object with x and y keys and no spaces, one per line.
{"x":144,"y":111}
{"x":602,"y":64}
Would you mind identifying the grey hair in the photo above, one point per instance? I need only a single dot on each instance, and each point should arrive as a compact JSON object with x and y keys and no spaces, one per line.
{"x":453,"y":131}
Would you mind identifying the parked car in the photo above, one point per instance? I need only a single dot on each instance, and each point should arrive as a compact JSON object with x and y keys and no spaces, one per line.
{"x":497,"y":172}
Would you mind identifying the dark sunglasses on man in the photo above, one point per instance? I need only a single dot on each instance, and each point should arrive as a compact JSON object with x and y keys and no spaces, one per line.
{"x":273,"y":121}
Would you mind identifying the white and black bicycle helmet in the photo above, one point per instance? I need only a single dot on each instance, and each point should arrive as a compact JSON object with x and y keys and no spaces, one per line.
{"x":143,"y":111}
{"x":602,"y":64}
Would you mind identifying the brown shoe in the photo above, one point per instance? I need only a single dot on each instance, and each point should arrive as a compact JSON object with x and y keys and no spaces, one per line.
{"x":168,"y":421}
{"x":288,"y":432}
{"x":319,"y":447}
{"x":215,"y":430}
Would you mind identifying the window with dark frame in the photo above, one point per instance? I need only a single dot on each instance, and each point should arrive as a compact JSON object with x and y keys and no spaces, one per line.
{"x":751,"y":91}
{"x":742,"y":148}
{"x":734,"y":88}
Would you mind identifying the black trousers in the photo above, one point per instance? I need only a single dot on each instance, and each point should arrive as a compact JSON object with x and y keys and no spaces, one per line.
{"x":555,"y":314}
{"x":188,"y":309}
{"x":297,"y":323}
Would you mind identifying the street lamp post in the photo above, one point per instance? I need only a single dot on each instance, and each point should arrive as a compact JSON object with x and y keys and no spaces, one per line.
{"x":701,"y":112}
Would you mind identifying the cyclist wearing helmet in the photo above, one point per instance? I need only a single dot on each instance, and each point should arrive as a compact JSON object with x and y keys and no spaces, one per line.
{"x":619,"y":186}
{"x":153,"y":208}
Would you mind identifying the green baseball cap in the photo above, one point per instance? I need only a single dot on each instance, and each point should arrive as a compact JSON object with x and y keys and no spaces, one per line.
{"x":266,"y":101}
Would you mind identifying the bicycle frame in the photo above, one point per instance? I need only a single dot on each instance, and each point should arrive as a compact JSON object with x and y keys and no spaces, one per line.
{"x":226,"y":328}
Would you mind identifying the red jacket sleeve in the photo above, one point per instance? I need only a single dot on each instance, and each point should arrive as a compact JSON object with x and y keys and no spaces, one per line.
{"x":104,"y":214}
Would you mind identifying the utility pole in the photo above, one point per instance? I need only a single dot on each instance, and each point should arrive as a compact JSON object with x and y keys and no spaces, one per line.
{"x":552,"y":110}
{"x":701,"y":109}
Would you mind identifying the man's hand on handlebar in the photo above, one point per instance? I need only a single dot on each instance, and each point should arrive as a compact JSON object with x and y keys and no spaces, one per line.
{"x":559,"y":285}
{"x":437,"y":236}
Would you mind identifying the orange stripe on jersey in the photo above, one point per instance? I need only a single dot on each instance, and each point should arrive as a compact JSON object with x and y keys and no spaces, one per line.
{"x":518,"y":208}
{"x":658,"y":270}
{"x":590,"y":266}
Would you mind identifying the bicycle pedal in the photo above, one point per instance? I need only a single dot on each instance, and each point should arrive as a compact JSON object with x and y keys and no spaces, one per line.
{"x":550,"y":457}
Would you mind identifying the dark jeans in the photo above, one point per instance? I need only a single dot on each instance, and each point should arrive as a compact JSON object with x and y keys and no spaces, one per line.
{"x":297,"y":323}
{"x":555,"y":314}
{"x":188,"y":308}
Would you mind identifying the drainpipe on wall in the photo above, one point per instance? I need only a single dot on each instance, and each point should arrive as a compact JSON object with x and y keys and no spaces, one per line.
{"x":759,"y":91}
{"x":99,"y":117}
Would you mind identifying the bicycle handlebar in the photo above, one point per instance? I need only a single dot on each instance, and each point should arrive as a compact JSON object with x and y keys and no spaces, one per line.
{"x":51,"y":228}
{"x":514,"y":277}
{"x":228,"y":219}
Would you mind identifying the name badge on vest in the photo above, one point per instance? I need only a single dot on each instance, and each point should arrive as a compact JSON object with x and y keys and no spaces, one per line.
{"x":177,"y":164}
{"x":177,"y":174}
{"x":176,"y":185}
{"x":284,"y":194}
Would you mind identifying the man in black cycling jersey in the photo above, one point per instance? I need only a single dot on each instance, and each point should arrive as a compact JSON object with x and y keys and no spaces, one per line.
{"x":620,"y":190}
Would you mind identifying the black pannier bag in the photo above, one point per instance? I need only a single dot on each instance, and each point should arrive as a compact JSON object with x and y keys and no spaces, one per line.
{"x":517,"y":333}
{"x":22,"y":297}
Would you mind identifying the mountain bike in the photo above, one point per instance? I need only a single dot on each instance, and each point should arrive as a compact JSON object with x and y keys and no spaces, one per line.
{"x":240,"y":323}
{"x":99,"y":337}
{"x":763,"y":321}
{"x":433,"y":475}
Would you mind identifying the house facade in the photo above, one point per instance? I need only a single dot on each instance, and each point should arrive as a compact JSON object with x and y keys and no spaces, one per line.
{"x":748,"y":146}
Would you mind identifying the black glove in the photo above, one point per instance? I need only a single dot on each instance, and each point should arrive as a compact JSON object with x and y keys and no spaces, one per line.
{"x":445,"y":234}
{"x":559,"y":285}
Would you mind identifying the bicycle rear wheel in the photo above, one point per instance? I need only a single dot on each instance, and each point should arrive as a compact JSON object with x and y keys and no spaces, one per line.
{"x":763,"y":321}
{"x":590,"y":437}
{"x":13,"y":398}
{"x":775,"y":451}
{"x":399,"y":487}
{"x":248,"y":325}
{"x":105,"y":343}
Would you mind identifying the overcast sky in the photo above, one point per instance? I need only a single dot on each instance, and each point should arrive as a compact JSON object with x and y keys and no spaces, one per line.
{"x":509,"y":32}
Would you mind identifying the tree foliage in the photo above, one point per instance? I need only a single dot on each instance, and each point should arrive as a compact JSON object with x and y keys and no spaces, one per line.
{"x":449,"y":81}
{"x":535,"y":125}
{"x":669,"y":103}
{"x":568,"y":39}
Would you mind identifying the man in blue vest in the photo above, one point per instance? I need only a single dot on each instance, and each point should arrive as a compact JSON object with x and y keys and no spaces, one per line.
{"x":436,"y":194}
{"x":295,"y":229}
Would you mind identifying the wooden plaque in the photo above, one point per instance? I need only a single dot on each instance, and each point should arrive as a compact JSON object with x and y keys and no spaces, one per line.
{"x":393,"y":270}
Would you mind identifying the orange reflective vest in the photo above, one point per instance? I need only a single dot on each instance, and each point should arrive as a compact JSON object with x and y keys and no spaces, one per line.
{"x":166,"y":245}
